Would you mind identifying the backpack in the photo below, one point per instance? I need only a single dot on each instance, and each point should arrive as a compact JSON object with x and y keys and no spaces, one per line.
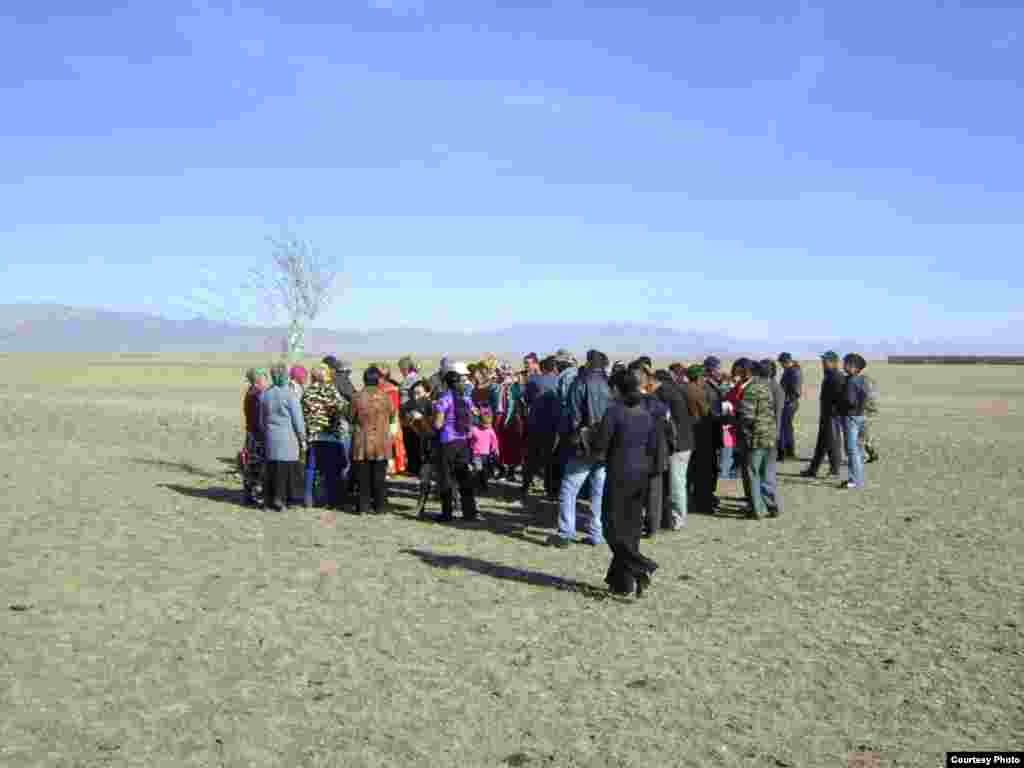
{"x":871,"y":395}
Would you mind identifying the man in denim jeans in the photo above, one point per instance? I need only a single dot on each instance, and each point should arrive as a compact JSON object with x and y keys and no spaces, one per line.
{"x":586,"y":405}
{"x":853,"y":423}
{"x":675,"y":397}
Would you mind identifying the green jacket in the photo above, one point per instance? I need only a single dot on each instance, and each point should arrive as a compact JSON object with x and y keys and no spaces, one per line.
{"x":755,"y":416}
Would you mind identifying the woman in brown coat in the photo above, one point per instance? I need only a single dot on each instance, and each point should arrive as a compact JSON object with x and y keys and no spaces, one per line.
{"x":372,"y":415}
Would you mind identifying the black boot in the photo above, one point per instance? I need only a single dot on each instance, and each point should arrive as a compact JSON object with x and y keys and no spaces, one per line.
{"x":422,"y":501}
{"x":446,"y":508}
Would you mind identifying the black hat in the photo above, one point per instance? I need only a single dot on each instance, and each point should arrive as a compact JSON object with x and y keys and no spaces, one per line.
{"x":830,"y":356}
{"x":712,"y":363}
{"x":785,"y":357}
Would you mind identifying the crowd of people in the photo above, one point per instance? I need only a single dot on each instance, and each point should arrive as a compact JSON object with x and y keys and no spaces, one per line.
{"x":648,"y":445}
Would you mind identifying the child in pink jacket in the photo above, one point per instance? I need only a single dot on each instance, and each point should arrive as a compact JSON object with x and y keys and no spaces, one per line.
{"x":483,"y":443}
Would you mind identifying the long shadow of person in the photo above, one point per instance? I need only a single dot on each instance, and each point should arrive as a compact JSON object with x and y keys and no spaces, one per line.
{"x":219,"y":494}
{"x":510,"y":573}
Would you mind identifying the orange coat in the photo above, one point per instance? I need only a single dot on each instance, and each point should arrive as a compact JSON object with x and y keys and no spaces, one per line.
{"x":397,"y":460}
{"x":372,"y":413}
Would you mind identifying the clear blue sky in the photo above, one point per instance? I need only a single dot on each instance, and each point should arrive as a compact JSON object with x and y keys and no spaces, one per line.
{"x":761,"y":168}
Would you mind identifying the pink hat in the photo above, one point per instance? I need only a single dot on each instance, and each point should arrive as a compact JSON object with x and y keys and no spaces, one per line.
{"x":298,"y":373}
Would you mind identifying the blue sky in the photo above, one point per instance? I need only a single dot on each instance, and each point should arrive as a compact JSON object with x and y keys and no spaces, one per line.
{"x":779,"y":169}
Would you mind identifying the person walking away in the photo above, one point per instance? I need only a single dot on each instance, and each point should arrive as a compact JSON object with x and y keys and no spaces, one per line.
{"x":869,"y":432}
{"x":541,"y":431}
{"x":372,"y":414}
{"x":769,"y":483}
{"x":587,"y":403}
{"x":254,"y":455}
{"x":855,"y":398}
{"x":641,"y":370}
{"x":833,"y":389}
{"x":626,"y":443}
{"x":322,"y":410}
{"x":680,"y":449}
{"x":483,"y":444}
{"x":284,"y":436}
{"x":756,"y":426}
{"x":792,"y":386}
{"x":453,"y":417}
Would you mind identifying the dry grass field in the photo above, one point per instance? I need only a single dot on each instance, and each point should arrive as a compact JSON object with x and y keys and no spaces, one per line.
{"x":148,"y":619}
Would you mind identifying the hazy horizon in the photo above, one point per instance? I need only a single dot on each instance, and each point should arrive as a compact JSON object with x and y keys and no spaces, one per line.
{"x":759,"y":169}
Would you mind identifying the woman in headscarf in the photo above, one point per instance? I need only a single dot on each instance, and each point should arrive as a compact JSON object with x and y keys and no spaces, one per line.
{"x":323,"y":410}
{"x":510,"y":422}
{"x":453,"y":418}
{"x":372,"y":414}
{"x":387,"y":385}
{"x":627,"y":441}
{"x":284,"y":435}
{"x":297,"y":381}
{"x":253,"y":454}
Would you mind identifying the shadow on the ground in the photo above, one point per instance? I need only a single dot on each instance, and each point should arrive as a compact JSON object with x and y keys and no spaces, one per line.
{"x":510,"y":573}
{"x":221,"y":494}
{"x":513,"y":523}
{"x":184,"y":467}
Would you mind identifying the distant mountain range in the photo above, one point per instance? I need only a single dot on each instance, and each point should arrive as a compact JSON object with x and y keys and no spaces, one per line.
{"x":52,"y":328}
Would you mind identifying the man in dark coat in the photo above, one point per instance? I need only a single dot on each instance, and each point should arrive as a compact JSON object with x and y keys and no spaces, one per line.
{"x":641,"y":370}
{"x":792,"y":384}
{"x":587,"y":402}
{"x":706,"y":479}
{"x":680,"y":448}
{"x":832,"y":398}
{"x":541,"y":428}
{"x":625,"y":443}
{"x":342,"y":376}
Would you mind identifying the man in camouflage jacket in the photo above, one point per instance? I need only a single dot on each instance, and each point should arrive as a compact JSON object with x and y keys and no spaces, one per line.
{"x":755,"y":433}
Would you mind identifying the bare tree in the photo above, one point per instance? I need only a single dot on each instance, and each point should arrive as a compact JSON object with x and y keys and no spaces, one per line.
{"x":301,"y":283}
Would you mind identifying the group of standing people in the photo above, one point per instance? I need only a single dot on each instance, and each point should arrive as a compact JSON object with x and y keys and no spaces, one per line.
{"x":647,"y":444}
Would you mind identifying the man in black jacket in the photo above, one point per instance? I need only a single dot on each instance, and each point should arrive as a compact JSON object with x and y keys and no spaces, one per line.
{"x":792,"y":386}
{"x":706,"y":479}
{"x":680,"y":447}
{"x":832,"y":399}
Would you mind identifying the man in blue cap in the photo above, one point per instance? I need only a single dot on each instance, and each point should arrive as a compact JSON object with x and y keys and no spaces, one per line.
{"x":830,"y":418}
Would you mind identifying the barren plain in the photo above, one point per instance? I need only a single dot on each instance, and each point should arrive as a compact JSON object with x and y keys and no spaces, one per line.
{"x":149,"y":619}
